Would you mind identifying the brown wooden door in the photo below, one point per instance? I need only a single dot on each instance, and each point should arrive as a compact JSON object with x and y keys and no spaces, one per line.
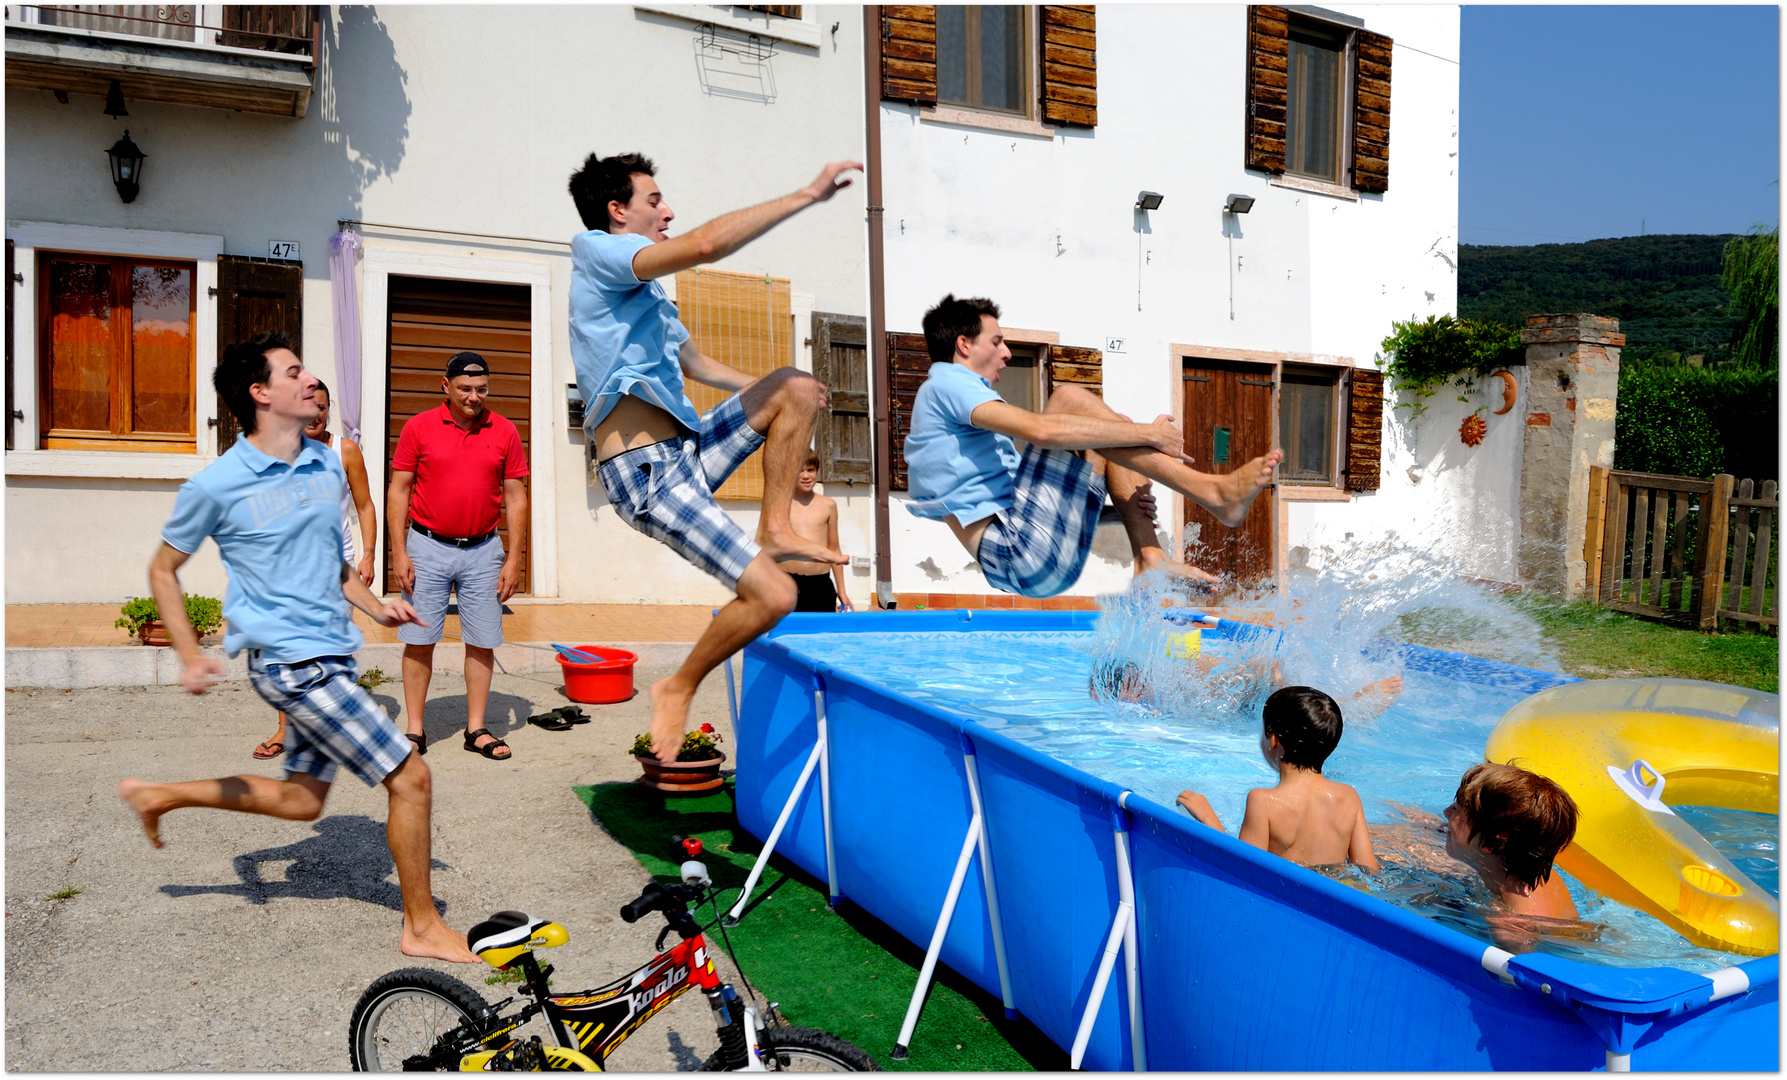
{"x":254,"y":295}
{"x":433,"y":318}
{"x":1228,"y":421}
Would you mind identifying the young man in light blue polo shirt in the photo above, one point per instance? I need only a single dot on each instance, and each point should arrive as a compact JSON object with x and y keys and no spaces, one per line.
{"x":273,"y":504}
{"x":1029,"y":518}
{"x":659,"y":461}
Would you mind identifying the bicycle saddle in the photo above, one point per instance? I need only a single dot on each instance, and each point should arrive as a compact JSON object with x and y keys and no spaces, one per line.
{"x":504,"y":937}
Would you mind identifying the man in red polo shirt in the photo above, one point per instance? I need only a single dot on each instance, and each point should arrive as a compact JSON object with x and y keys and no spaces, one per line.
{"x":456,"y":470}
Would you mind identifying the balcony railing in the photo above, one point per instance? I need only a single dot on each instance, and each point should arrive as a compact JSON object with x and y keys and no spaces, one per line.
{"x":289,"y":29}
{"x":246,"y":58}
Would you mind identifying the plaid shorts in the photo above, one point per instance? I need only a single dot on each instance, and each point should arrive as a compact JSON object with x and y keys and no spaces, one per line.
{"x":329,"y":719}
{"x":666,"y":491}
{"x":1040,"y":545}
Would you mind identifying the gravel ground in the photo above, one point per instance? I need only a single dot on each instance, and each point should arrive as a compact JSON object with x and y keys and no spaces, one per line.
{"x":244,"y":945}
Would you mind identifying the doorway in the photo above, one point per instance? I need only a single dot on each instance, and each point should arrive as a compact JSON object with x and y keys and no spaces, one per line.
{"x":1228,"y":421}
{"x":430,"y":320}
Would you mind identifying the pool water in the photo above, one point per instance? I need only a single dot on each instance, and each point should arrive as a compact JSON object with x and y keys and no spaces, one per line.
{"x":1033,"y":687}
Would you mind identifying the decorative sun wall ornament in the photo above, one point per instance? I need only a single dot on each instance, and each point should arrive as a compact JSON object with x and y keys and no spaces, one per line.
{"x":1471,"y":431}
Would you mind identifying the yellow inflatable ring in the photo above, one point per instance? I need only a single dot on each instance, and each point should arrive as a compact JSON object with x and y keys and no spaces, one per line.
{"x":1625,"y":749}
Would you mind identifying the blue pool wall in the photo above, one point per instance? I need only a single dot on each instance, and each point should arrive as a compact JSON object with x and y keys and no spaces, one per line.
{"x":1247,"y":961}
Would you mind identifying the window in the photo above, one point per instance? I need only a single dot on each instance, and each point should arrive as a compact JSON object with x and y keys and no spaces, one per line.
{"x":1020,"y":383}
{"x":116,"y":365}
{"x":1306,"y":402}
{"x":982,"y":58}
{"x":1314,"y":94}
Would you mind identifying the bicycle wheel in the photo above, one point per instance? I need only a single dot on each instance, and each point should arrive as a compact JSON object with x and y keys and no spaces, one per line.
{"x":792,"y":1049}
{"x":400,"y":1017}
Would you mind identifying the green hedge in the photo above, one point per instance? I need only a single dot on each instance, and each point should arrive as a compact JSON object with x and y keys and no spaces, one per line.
{"x":1691,"y":421}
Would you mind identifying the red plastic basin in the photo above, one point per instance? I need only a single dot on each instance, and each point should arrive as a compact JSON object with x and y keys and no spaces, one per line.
{"x":603,"y":683}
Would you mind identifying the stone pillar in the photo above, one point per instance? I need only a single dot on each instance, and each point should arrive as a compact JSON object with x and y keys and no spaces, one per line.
{"x":1572,"y":364}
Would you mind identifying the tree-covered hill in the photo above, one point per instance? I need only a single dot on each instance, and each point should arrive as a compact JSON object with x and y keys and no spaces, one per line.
{"x":1664,"y":290}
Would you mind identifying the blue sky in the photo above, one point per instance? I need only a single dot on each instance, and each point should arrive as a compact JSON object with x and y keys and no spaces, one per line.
{"x":1578,"y":123}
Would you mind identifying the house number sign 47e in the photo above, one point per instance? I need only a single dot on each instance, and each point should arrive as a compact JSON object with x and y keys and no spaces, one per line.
{"x":282,"y":249}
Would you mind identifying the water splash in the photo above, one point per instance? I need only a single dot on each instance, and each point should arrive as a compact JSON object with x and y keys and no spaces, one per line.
{"x":1335,"y":628}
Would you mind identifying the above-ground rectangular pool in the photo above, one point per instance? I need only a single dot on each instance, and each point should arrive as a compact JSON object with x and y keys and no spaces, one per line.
{"x":1241,"y":960}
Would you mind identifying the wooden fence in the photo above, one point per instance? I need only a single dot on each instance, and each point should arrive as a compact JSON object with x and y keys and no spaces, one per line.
{"x":1681,"y":549}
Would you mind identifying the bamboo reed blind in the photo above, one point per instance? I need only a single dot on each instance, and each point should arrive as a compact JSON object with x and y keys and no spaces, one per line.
{"x":745,"y":321}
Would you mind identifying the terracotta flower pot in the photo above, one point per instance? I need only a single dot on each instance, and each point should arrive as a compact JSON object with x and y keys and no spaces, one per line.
{"x":154,"y":632}
{"x":682,"y":777}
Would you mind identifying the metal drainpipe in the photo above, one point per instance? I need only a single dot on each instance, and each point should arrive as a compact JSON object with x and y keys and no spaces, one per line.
{"x":880,"y":376}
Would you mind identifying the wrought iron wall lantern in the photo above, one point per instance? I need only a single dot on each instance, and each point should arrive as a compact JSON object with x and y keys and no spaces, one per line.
{"x":127,"y":167}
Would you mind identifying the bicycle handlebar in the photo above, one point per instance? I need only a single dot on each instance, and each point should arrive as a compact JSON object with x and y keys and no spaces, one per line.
{"x":652,"y":899}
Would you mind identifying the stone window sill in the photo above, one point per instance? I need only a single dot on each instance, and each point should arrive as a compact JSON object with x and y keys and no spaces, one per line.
{"x":1314,"y":187}
{"x":1004,"y":123}
{"x":104,"y":464}
{"x":1312,"y":493}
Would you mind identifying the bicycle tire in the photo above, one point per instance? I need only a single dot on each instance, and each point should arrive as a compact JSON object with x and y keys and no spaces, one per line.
{"x":426,"y":1003}
{"x":792,"y":1049}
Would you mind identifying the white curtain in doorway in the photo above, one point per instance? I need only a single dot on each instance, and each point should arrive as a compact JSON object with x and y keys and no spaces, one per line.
{"x":344,"y":250}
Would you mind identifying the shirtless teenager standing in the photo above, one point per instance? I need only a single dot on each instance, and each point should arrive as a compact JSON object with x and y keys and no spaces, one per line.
{"x":814,"y":516}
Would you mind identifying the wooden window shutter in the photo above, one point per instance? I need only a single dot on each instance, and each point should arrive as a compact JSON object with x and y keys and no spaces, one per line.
{"x":1069,"y":65}
{"x":1081,"y":367}
{"x":841,"y":362}
{"x":909,"y":54}
{"x":908,"y":362}
{"x":1268,"y":53}
{"x":9,"y":416}
{"x":1371,"y":112}
{"x":254,"y":295}
{"x":1364,"y":430}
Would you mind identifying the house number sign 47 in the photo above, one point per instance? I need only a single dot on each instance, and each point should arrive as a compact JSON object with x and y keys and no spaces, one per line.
{"x":282,"y":249}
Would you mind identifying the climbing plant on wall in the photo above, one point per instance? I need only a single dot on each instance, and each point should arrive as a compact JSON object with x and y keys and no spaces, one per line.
{"x":1422,"y":356}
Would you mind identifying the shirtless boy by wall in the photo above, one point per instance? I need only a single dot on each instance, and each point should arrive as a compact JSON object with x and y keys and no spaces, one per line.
{"x":820,"y":586}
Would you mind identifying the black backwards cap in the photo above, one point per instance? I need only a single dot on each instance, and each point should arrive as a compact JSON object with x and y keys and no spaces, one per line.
{"x":466,"y":363}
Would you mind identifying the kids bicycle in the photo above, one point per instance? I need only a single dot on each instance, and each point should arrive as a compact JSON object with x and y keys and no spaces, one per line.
{"x":416,"y":1019}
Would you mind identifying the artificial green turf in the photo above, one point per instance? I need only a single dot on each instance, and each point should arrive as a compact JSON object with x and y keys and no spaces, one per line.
{"x":841,"y":971}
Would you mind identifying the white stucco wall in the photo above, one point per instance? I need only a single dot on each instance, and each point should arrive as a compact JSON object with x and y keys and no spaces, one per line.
{"x":1046,"y":227}
{"x":466,"y":118}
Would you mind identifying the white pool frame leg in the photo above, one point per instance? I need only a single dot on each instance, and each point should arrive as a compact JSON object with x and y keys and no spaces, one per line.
{"x":1122,"y":937}
{"x":818,"y":756}
{"x":833,"y":897}
{"x":986,"y":875}
{"x":969,"y":843}
{"x":731,"y":695}
{"x":1618,"y":1062}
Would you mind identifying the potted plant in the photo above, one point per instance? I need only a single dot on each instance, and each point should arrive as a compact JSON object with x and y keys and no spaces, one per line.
{"x":696,"y":768}
{"x":141,"y":617}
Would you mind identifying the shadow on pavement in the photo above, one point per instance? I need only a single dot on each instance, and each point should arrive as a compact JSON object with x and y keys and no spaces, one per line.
{"x":346,"y":859}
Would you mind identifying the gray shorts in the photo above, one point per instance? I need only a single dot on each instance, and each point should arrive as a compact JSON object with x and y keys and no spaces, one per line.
{"x":472,"y":573}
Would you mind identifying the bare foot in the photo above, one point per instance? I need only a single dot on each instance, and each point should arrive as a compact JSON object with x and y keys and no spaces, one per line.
{"x":788,"y":546}
{"x":670,"y":715}
{"x":1249,"y":480}
{"x":136,"y":793}
{"x":437,"y":943}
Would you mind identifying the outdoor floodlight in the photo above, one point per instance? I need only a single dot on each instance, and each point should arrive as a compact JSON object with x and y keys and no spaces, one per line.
{"x":127,"y":166}
{"x":1148,"y":200}
{"x":114,"y":101}
{"x":1239,"y":204}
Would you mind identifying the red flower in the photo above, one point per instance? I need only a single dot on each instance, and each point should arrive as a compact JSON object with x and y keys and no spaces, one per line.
{"x":709,"y":728}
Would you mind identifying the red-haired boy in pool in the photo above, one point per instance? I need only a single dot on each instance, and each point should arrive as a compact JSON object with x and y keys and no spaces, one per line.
{"x":1307,"y":818}
{"x":1507,"y":825}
